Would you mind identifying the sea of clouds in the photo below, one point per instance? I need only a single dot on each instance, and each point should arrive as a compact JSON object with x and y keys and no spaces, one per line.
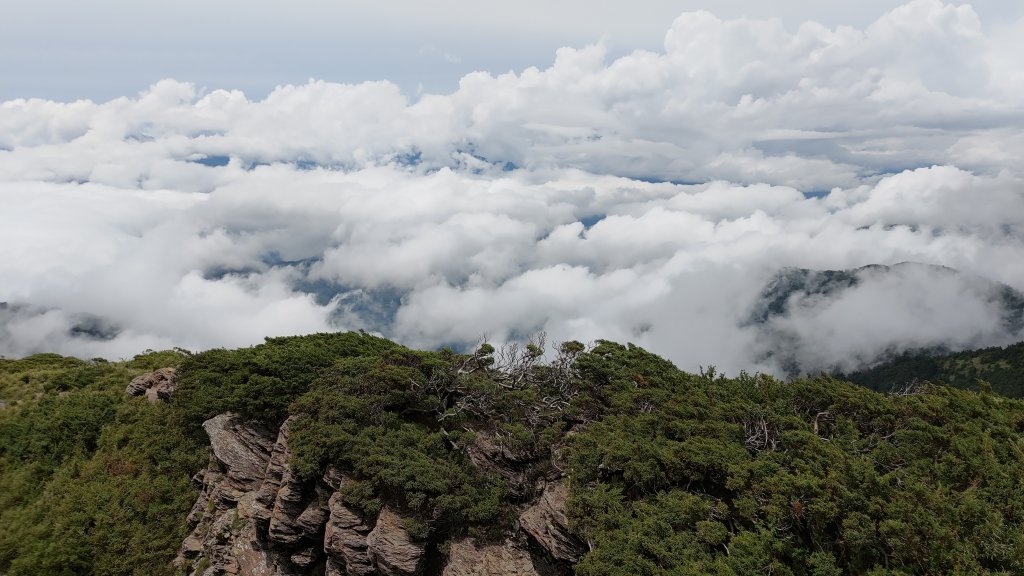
{"x":647,"y":198}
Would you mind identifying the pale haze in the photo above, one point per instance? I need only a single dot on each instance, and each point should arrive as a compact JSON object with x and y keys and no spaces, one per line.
{"x":207,"y":176}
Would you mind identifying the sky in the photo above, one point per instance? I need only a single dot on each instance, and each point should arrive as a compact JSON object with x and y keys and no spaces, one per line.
{"x":101,"y":49}
{"x":178,"y":174}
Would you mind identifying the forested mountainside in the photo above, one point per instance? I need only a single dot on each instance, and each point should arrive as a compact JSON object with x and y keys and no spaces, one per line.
{"x":996,"y":368}
{"x":350,"y":454}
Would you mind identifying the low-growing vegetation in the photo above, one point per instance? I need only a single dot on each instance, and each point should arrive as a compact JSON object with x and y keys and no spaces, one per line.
{"x":669,"y":472}
{"x":91,"y":481}
{"x":998,"y":369}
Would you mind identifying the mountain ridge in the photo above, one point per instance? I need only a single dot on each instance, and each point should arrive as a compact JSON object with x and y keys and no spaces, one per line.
{"x":663,"y":471}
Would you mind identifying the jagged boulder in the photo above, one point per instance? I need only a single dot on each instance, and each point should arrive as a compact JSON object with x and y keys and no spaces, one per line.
{"x":391,"y":549}
{"x":306,"y":557}
{"x":242,"y":448}
{"x":546,"y":523}
{"x":466,"y":559}
{"x":313,"y":517}
{"x":157,"y":385}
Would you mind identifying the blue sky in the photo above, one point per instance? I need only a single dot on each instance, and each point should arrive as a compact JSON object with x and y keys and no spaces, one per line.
{"x":101,"y":49}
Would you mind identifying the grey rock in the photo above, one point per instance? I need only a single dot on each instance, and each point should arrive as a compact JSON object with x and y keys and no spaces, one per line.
{"x":243,"y":448}
{"x":345,"y":541}
{"x":488,"y":455}
{"x":466,"y":559}
{"x":224,"y":538}
{"x":391,"y":549}
{"x":306,"y":556}
{"x":277,"y":464}
{"x":291,"y":510}
{"x":546,"y":523}
{"x":157,"y":385}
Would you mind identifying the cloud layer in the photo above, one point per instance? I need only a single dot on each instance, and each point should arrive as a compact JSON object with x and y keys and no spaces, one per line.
{"x":647,"y":198}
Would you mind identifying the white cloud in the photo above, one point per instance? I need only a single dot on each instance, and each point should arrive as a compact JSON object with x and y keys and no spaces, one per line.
{"x":902,"y":308}
{"x":538,"y":199}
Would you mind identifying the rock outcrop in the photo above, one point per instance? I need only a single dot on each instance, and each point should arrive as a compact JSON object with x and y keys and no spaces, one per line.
{"x":242,"y":448}
{"x":345,"y":539}
{"x":291,"y":511}
{"x":548,"y":526}
{"x":466,"y":559}
{"x":224,"y":539}
{"x":491,"y":456}
{"x":157,"y":385}
{"x":256,"y":517}
{"x":391,"y":549}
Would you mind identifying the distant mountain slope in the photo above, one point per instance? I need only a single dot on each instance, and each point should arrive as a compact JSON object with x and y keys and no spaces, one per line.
{"x":809,"y":321}
{"x":1001,"y":368}
{"x":792,"y":287}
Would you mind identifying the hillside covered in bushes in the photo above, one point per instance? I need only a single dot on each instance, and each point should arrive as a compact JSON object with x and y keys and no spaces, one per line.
{"x":996,"y":368}
{"x":667,"y":472}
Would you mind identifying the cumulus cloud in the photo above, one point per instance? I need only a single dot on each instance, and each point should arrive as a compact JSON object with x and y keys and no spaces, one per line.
{"x":649,"y":198}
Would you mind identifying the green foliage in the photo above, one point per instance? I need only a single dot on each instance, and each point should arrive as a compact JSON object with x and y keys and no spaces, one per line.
{"x":23,"y":379}
{"x":692,"y":475}
{"x":56,"y":428}
{"x":93,"y":483}
{"x":260,"y":382}
{"x":375,"y":418}
{"x":150,"y":360}
{"x":989,"y":369}
{"x":670,"y":473}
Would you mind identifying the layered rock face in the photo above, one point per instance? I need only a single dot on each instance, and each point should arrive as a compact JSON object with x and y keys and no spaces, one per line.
{"x":290,"y":512}
{"x":224,"y":539}
{"x":466,"y":559}
{"x":548,"y":526}
{"x":345,"y":541}
{"x":256,"y":517}
{"x":489,"y":455}
{"x":390,"y":548}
